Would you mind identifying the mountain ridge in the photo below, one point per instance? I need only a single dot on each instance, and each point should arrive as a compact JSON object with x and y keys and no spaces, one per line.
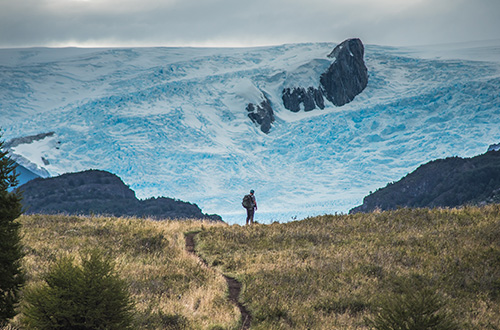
{"x":449,"y":182}
{"x":100,"y":192}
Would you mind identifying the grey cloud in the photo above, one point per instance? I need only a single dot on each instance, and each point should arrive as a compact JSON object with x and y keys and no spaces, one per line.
{"x":197,"y":22}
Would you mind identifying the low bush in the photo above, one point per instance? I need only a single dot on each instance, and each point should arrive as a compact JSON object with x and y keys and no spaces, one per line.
{"x":90,"y":296}
{"x":413,"y":306}
{"x":170,"y":288}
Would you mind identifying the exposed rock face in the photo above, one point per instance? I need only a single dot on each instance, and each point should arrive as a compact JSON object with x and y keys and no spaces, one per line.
{"x":27,"y":139}
{"x":25,"y":166}
{"x":261,"y":114}
{"x":346,"y":77}
{"x":294,"y":98}
{"x":494,"y":147}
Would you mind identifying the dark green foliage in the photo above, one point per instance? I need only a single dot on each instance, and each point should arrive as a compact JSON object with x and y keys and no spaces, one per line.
{"x":90,"y":296}
{"x":413,"y":306}
{"x":449,"y":182}
{"x":11,"y":275}
{"x":99,"y":192}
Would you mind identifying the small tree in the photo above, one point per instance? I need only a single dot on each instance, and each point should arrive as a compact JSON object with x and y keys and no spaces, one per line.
{"x":11,"y":275}
{"x":413,"y":307}
{"x":90,"y":296}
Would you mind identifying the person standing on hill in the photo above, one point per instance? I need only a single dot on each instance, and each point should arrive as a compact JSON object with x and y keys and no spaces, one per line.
{"x":250,"y":204}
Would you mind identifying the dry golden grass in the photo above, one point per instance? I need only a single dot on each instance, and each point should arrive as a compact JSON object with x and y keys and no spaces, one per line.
{"x":326,"y":272}
{"x":329,"y":272}
{"x":168,"y":285}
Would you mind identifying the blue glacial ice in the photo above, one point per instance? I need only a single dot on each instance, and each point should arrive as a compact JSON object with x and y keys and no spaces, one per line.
{"x":172,"y":121}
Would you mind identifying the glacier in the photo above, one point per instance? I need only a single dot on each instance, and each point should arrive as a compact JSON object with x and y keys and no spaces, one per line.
{"x":173,"y":122}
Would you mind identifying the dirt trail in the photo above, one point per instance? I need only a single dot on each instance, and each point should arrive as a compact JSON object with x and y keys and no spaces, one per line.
{"x":234,"y":287}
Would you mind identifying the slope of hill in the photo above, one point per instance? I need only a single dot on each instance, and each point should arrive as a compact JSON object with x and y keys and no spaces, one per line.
{"x":174,"y":121}
{"x":332,"y":272}
{"x":100,"y":192}
{"x":446,"y":182}
{"x":170,"y":288}
{"x":327,"y":272}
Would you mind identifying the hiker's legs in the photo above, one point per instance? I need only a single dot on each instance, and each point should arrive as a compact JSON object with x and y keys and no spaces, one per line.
{"x":250,"y":213}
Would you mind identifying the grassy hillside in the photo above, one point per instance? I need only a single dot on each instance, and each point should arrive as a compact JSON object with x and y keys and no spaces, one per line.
{"x":327,"y":272}
{"x":170,"y":287}
{"x":331,"y":272}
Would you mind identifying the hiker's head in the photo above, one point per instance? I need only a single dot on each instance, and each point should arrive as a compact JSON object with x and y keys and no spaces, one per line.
{"x":251,"y":191}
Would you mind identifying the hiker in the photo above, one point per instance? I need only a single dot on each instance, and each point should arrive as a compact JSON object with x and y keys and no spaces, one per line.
{"x":251,"y":205}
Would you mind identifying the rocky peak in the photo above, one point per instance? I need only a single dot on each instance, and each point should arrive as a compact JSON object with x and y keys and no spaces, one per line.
{"x":348,"y":75}
{"x":352,"y":47}
{"x":345,"y":78}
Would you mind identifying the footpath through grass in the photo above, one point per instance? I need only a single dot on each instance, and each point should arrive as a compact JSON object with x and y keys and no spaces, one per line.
{"x":171,"y":289}
{"x":331,"y":272}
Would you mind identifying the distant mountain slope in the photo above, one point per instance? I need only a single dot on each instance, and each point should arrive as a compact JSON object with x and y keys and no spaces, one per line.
{"x":25,"y":174}
{"x":100,"y":192}
{"x":446,"y":182}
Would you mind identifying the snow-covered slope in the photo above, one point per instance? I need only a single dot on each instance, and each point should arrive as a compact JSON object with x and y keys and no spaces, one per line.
{"x":172,"y":121}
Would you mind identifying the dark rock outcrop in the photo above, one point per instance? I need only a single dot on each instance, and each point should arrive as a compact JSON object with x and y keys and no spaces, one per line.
{"x":100,"y":192}
{"x":262,"y":114}
{"x":27,"y":139}
{"x":449,"y":182}
{"x":310,"y":98}
{"x":494,"y":147}
{"x":346,"y":77}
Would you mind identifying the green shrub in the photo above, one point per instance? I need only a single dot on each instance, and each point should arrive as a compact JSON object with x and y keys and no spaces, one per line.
{"x":11,"y":274}
{"x":90,"y":296}
{"x":413,"y":306}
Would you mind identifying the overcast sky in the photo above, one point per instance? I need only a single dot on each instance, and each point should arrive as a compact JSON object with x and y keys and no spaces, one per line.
{"x":57,"y":23}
